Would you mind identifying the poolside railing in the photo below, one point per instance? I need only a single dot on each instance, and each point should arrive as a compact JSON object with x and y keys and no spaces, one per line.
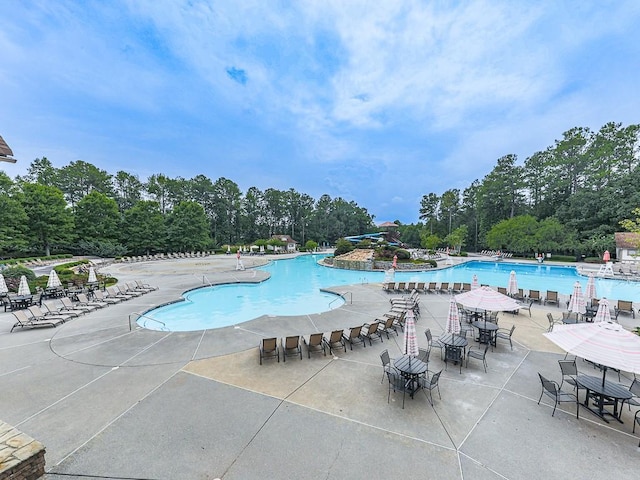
{"x":163,"y":327}
{"x":341,"y":297}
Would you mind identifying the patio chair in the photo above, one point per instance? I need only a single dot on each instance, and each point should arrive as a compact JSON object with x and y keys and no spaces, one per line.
{"x":314,"y":343}
{"x":431,"y":384}
{"x":353,"y":335}
{"x":636,"y":420}
{"x":519,"y":295}
{"x":634,"y":388}
{"x":526,"y":306}
{"x":23,"y":321}
{"x":479,"y":354}
{"x":399,"y":384}
{"x":389,"y":324}
{"x":569,"y":371}
{"x":569,"y":317}
{"x":552,"y":390}
{"x":551,"y":297}
{"x":334,"y":340}
{"x":372,"y":331}
{"x":624,"y":306}
{"x":552,"y":322}
{"x":268,"y":348}
{"x":291,"y":346}
{"x":434,"y":343}
{"x":387,"y":367}
{"x":505,"y":334}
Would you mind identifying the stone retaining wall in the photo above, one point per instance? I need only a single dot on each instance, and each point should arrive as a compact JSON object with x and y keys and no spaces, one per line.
{"x":21,"y":457}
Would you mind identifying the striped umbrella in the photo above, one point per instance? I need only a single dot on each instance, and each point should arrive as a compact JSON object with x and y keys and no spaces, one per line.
{"x":410,"y":346}
{"x":512,"y":287}
{"x":453,"y":319}
{"x":23,"y":288}
{"x":54,"y":280}
{"x":603,"y":314}
{"x":474,"y":282}
{"x":92,"y":276}
{"x":577,"y":303}
{"x":590,"y":290}
{"x":3,"y":285}
{"x":486,"y":298}
{"x":604,"y":343}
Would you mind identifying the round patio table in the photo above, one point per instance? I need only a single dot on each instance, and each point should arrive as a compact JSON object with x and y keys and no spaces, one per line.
{"x":486,"y":332}
{"x":410,"y":368}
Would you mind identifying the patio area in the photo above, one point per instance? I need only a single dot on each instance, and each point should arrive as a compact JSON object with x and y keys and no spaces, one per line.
{"x":111,"y":402}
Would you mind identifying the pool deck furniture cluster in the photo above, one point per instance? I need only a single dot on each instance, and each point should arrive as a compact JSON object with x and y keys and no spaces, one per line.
{"x":109,"y":402}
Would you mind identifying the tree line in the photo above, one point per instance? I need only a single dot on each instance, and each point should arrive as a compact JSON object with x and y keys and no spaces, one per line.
{"x":568,"y":198}
{"x":86,"y":210}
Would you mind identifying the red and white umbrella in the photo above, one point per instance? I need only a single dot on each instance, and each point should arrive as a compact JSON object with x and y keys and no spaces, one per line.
{"x":512,"y":287}
{"x":604,"y":343}
{"x":23,"y":288}
{"x":577,"y":303}
{"x":603,"y":314}
{"x":590,"y":289}
{"x":3,"y":285}
{"x":410,"y":346}
{"x":54,"y":280}
{"x":474,"y":282}
{"x":453,"y":318}
{"x":485,"y":298}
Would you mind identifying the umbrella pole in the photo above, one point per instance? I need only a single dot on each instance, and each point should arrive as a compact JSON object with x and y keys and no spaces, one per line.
{"x":604,"y":374}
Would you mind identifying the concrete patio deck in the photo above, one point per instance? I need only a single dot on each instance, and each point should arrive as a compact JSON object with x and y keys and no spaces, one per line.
{"x":112,"y":403}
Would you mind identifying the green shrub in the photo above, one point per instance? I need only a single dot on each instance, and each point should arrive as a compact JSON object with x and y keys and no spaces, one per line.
{"x":562,"y":258}
{"x":402,"y":254}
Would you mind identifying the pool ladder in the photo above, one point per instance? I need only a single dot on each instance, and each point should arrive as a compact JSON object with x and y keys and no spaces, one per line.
{"x":163,"y":327}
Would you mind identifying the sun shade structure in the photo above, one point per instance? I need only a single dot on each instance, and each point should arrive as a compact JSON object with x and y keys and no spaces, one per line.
{"x":5,"y":152}
{"x":604,"y":343}
{"x":485,"y":298}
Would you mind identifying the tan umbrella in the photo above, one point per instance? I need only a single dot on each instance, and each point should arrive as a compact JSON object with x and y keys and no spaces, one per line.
{"x":54,"y":280}
{"x":23,"y":288}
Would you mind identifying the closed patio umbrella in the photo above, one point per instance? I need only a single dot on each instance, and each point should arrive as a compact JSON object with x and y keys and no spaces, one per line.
{"x":590,"y":290}
{"x":92,"y":276}
{"x":23,"y":288}
{"x":474,"y":282}
{"x":606,"y":256}
{"x":54,"y":280}
{"x":453,"y":318}
{"x":603,"y":314}
{"x":410,"y":345}
{"x":577,"y":303}
{"x":603,"y":343}
{"x":3,"y":285}
{"x":512,"y":287}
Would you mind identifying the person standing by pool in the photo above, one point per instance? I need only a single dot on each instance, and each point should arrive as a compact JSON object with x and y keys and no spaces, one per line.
{"x":239,"y":265}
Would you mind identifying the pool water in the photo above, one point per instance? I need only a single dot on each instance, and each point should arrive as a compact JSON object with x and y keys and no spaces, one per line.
{"x":294,"y":289}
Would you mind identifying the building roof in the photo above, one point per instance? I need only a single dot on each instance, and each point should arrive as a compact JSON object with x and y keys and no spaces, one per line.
{"x":284,"y":238}
{"x":5,"y":151}
{"x":627,"y":240}
{"x":388,"y":224}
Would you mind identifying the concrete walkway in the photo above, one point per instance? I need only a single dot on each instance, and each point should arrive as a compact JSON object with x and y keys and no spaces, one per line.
{"x":113,"y":403}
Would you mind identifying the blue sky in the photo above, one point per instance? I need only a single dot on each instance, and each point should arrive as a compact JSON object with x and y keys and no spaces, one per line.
{"x":373,"y":101}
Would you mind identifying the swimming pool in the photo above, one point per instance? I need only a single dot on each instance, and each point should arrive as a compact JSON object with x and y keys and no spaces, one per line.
{"x":294,"y":288}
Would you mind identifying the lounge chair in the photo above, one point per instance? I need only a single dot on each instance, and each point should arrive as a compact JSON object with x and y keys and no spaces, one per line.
{"x":127,"y":291}
{"x":389,"y":324}
{"x":100,"y":296}
{"x":624,"y":306}
{"x":84,"y":301}
{"x":466,"y":287}
{"x":552,"y":297}
{"x":353,"y":335}
{"x":55,"y":311}
{"x":372,"y":331}
{"x":23,"y":321}
{"x":431,"y":288}
{"x":291,"y":346}
{"x":334,"y":340}
{"x":39,"y":315}
{"x":457,"y":288}
{"x":314,"y":343}
{"x":444,"y":287}
{"x":268,"y":348}
{"x":502,"y":290}
{"x":420,"y":287}
{"x":116,"y":293}
{"x":70,"y":306}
